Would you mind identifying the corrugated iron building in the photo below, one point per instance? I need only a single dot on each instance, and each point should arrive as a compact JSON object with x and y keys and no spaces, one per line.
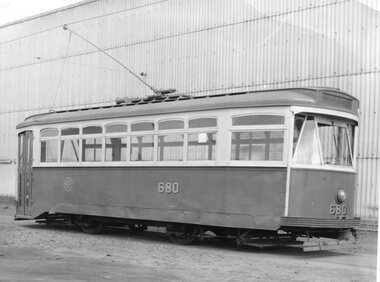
{"x":197,"y":47}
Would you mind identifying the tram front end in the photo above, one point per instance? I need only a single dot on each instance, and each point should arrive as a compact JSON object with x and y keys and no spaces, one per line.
{"x":322,"y":181}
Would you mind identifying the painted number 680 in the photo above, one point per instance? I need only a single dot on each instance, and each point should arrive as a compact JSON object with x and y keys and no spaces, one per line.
{"x":168,"y":187}
{"x":338,"y":209}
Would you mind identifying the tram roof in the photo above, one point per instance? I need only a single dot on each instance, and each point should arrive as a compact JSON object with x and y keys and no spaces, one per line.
{"x":329,"y":98}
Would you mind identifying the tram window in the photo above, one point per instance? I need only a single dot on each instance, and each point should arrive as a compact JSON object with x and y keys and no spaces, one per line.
{"x":142,"y":148}
{"x":70,"y":131}
{"x":334,"y":144}
{"x":115,"y":128}
{"x":258,"y":120}
{"x":170,"y":147}
{"x":142,"y":126}
{"x":257,"y":146}
{"x":351,"y":136}
{"x":298,"y":122}
{"x":92,"y":150}
{"x":70,"y":150}
{"x":116,"y":149}
{"x":307,"y":151}
{"x":202,"y":122}
{"x":92,"y":130}
{"x":49,"y":132}
{"x":21,"y":141}
{"x":49,"y":151}
{"x":201,"y":146}
{"x":171,"y":124}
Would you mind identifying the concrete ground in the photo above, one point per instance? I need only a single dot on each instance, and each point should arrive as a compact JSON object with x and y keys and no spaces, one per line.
{"x":35,"y":252}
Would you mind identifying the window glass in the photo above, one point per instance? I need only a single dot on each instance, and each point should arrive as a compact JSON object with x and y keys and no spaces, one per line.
{"x":334,"y":144}
{"x":171,"y":124}
{"x":142,"y":126}
{"x":351,"y":137}
{"x":298,"y":122}
{"x":92,"y":149}
{"x":202,"y":122}
{"x":69,"y":150}
{"x":142,"y":148}
{"x":258,"y":120}
{"x":21,"y":141}
{"x":112,"y":128}
{"x":201,"y":146}
{"x":307,"y":151}
{"x":92,"y":130}
{"x":49,"y":132}
{"x":170,"y":147}
{"x":257,"y":145}
{"x":116,"y":149}
{"x":49,"y":151}
{"x":70,"y":131}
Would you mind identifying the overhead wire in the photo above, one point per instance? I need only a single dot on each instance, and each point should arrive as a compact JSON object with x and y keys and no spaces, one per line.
{"x":62,"y":71}
{"x":80,"y":21}
{"x":65,"y":27}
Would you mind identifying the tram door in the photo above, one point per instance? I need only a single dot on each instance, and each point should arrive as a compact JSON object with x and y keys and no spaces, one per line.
{"x":25,"y":174}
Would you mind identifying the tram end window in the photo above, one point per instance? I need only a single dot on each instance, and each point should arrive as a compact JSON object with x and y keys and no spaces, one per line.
{"x":335,"y":144}
{"x":351,"y":135}
{"x":298,"y":123}
{"x":324,"y":140}
{"x":307,"y":151}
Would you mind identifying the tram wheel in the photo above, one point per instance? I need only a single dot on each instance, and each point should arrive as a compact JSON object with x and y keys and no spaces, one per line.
{"x":91,"y":227}
{"x":182,"y":235}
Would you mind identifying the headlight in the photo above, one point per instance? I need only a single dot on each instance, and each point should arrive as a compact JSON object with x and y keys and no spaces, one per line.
{"x":341,"y":196}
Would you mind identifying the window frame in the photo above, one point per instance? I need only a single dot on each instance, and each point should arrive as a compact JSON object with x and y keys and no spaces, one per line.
{"x":335,"y":119}
{"x":141,"y":162}
{"x":199,"y":130}
{"x":70,"y":137}
{"x":116,"y":123}
{"x":124,"y":134}
{"x":166,"y":132}
{"x":49,"y":138}
{"x":142,"y":121}
{"x":92,"y":136}
{"x":259,"y":128}
{"x":141,"y":133}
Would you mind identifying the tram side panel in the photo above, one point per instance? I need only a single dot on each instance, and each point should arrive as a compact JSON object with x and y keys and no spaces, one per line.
{"x":243,"y":197}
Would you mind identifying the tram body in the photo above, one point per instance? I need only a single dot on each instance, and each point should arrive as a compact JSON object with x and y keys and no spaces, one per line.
{"x":265,"y":162}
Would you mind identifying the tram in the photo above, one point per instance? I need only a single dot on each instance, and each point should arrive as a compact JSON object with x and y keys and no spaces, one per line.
{"x":272,"y":165}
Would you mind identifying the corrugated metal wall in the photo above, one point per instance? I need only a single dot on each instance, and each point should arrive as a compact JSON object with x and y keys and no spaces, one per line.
{"x":198,"y":47}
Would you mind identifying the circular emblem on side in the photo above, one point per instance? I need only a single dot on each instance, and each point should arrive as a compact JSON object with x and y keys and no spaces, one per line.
{"x":341,"y":196}
{"x":68,"y":184}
